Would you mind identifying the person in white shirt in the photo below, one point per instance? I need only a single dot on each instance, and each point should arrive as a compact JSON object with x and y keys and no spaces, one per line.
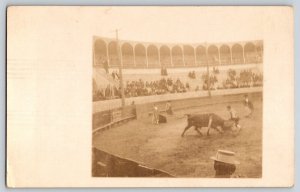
{"x":233,"y":116}
{"x":155,"y":115}
{"x":248,"y":106}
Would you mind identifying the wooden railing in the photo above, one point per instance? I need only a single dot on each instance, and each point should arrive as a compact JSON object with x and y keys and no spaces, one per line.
{"x":106,"y":119}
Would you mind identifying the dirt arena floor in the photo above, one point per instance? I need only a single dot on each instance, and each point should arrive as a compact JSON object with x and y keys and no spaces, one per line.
{"x":162,"y":147}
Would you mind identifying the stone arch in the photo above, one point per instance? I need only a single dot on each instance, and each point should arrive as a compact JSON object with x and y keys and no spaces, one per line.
{"x":213,"y":55}
{"x":100,"y":52}
{"x":177,"y":56}
{"x":250,"y":53}
{"x":225,"y":55}
{"x":189,"y":55}
{"x":127,"y":55}
{"x":165,"y":56}
{"x":260,"y":53}
{"x":140,"y":56}
{"x":152,"y":54}
{"x":237,"y":54}
{"x":113,"y":54}
{"x":201,"y":55}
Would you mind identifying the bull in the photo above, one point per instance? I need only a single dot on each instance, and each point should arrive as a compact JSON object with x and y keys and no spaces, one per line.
{"x":210,"y":120}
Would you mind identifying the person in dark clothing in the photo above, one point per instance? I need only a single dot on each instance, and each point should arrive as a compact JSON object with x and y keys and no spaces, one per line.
{"x":224,"y":164}
{"x":169,"y":109}
{"x":105,"y":65}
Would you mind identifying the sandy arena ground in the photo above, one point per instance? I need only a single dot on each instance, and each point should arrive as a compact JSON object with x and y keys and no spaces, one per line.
{"x":162,"y":147}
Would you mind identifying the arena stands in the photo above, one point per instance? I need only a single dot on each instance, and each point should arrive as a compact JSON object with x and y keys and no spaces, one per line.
{"x":156,"y":69}
{"x":142,"y":85}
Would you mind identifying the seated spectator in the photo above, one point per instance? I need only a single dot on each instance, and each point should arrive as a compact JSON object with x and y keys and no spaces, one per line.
{"x":192,"y":75}
{"x":187,"y":86}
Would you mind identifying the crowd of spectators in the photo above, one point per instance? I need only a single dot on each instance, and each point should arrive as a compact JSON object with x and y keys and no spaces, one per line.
{"x":213,"y":80}
{"x":159,"y":87}
{"x":245,"y":78}
{"x":110,"y":92}
{"x":142,"y":88}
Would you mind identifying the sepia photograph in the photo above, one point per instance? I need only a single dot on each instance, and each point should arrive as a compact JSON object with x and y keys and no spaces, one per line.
{"x":177,"y":109}
{"x":150,"y":96}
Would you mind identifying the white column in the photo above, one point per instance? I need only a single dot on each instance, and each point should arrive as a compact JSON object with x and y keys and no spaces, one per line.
{"x":219,"y":55}
{"x":133,"y":51}
{"x":244,"y":53}
{"x":195,"y":57}
{"x":230,"y":55}
{"x":171,"y":57}
{"x":256,"y":54}
{"x":107,"y":55}
{"x":147,"y":62}
{"x":121,"y":58}
{"x":159,"y":63}
{"x":183,"y":56}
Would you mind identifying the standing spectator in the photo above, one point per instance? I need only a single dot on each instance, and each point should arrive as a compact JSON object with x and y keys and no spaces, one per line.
{"x":155,"y":115}
{"x":162,"y":72}
{"x":224,"y":164}
{"x":105,"y":65}
{"x":248,"y":106}
{"x":169,"y":109}
{"x":234,"y":117}
{"x":133,"y":109}
{"x":108,"y":91}
{"x":117,"y":75}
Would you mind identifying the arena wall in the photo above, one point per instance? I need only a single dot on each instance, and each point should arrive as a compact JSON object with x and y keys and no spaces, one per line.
{"x":115,"y":115}
{"x":144,"y":110}
{"x":197,"y":96}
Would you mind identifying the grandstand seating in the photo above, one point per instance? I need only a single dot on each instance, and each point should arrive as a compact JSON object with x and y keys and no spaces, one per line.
{"x":102,"y":79}
{"x":143,"y":64}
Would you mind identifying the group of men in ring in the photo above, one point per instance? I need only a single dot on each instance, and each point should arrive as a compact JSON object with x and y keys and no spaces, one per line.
{"x":233,"y":114}
{"x":224,"y":160}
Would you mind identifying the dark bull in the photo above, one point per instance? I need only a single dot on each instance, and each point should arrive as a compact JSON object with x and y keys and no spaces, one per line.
{"x":209,"y":120}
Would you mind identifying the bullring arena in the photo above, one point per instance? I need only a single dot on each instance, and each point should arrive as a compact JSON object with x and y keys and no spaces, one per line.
{"x":126,"y":134}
